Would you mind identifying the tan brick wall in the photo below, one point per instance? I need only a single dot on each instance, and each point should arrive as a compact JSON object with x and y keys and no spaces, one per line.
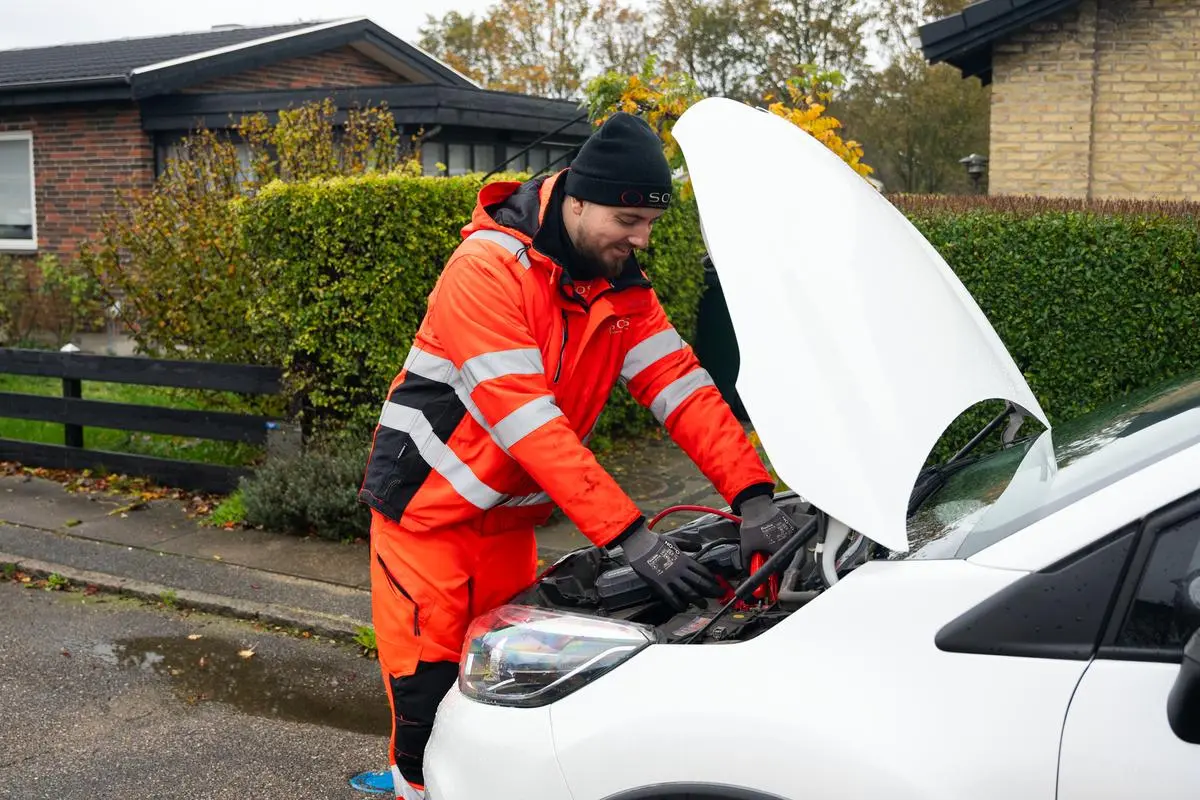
{"x":1101,"y":100}
{"x":1041,"y":106}
{"x":1147,"y":131}
{"x":344,"y":66}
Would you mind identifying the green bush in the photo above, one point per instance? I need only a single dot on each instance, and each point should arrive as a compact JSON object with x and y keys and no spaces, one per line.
{"x":311,"y":493}
{"x":347,"y":265}
{"x":46,"y":302}
{"x":1091,"y":299}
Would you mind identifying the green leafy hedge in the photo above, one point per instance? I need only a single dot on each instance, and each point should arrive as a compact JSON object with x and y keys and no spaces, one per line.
{"x":1092,"y":299}
{"x":345,"y":266}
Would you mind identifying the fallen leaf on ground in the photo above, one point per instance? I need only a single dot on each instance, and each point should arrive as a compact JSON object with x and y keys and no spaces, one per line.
{"x":248,"y":653}
{"x":194,"y":636}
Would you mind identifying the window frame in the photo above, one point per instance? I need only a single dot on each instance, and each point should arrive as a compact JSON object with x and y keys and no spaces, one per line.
{"x":1155,"y":524}
{"x":24,"y":245}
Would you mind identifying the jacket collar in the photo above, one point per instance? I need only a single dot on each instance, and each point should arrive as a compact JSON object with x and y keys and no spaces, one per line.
{"x":520,"y":209}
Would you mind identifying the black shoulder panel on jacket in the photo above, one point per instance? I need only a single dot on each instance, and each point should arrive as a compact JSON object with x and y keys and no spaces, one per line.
{"x":1057,"y":612}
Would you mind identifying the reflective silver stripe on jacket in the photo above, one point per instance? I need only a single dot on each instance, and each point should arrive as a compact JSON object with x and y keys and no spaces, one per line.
{"x":675,"y":393}
{"x":506,"y":240}
{"x":484,"y":367}
{"x":648,"y":351}
{"x":438,"y":455}
{"x":527,"y":419}
{"x":475,"y":371}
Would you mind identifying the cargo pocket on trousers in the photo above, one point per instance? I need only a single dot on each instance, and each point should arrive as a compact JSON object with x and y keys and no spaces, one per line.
{"x":418,"y":608}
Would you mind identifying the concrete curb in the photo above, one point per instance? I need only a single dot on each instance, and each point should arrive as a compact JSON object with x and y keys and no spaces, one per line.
{"x":326,"y":625}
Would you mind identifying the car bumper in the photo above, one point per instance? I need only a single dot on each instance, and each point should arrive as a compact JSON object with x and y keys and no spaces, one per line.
{"x":479,"y":751}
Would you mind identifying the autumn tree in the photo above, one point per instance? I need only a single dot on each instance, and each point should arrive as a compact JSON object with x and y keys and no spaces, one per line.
{"x":828,"y":34}
{"x":620,"y":37}
{"x":721,"y":44}
{"x":661,"y":96}
{"x":469,"y":44}
{"x":916,"y":120}
{"x":537,"y":47}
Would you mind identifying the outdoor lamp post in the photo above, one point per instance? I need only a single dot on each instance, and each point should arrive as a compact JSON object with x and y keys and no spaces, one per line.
{"x":976,"y":165}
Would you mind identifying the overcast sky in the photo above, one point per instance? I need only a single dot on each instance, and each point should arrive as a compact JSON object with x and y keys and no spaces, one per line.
{"x":37,"y":23}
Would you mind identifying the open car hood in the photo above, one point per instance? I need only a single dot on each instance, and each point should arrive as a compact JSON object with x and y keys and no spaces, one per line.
{"x":859,"y":346}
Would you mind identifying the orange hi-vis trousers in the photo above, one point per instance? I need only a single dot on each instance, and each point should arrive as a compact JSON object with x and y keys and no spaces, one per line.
{"x":425,"y":589}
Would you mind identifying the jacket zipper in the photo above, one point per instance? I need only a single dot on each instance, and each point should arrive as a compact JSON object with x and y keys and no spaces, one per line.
{"x":562,"y":352}
{"x":396,"y":584}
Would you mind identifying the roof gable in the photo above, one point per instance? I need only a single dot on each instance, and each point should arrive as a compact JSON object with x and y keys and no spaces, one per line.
{"x":965,"y":39}
{"x":138,"y":68}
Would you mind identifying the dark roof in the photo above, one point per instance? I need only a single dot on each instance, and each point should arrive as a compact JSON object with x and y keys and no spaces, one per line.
{"x":138,"y":68}
{"x":965,"y":39}
{"x":411,"y":105}
{"x":81,"y":62}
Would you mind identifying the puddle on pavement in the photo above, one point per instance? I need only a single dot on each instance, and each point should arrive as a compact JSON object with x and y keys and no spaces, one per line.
{"x":210,"y":669}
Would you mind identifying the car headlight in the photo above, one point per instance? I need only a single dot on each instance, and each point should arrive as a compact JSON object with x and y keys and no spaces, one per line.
{"x":527,"y":657}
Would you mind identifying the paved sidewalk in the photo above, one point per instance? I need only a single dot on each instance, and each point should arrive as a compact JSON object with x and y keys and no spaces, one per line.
{"x":157,"y":551}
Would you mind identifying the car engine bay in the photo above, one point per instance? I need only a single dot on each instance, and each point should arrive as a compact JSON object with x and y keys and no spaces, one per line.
{"x":599,"y":582}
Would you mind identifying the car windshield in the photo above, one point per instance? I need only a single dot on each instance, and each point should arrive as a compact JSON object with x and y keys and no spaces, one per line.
{"x":1005,"y":491}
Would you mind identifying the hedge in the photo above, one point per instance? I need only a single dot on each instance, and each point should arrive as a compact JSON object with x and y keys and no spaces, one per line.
{"x":1093,"y":299}
{"x":346,"y":265}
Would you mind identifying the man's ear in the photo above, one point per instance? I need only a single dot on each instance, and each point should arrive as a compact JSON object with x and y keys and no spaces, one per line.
{"x":575,"y":206}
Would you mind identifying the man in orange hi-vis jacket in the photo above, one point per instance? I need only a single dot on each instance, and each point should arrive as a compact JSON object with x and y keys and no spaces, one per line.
{"x":537,"y":315}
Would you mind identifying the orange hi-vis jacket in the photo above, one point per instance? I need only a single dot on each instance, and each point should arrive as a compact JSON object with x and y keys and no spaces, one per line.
{"x":488,"y":418}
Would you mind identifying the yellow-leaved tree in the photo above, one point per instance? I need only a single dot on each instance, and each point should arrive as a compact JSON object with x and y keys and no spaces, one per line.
{"x":661,"y":97}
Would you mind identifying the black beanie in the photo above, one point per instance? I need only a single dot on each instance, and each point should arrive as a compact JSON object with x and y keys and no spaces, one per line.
{"x":622,"y":164}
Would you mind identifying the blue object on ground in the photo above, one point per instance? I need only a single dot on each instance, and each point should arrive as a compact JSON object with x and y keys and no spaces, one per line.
{"x":377,"y":781}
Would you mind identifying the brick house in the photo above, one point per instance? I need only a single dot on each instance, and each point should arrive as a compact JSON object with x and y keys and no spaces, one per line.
{"x":78,"y":121}
{"x":1090,"y":98}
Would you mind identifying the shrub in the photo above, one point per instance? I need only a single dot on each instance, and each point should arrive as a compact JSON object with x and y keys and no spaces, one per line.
{"x":1092,"y":299}
{"x":173,"y":255}
{"x":42,"y":297}
{"x":349,"y":262}
{"x":311,"y":493}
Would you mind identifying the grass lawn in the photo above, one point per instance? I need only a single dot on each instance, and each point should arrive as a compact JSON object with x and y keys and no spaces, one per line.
{"x":213,"y":452}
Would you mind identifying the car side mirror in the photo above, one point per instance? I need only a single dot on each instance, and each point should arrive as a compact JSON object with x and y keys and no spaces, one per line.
{"x":1183,"y":704}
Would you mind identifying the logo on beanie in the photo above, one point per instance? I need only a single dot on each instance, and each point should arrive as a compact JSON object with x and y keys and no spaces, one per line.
{"x":632,"y":197}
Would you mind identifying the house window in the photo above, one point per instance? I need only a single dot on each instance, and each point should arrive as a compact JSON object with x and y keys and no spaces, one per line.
{"x":431,"y":155}
{"x":460,"y":159}
{"x":18,"y":215}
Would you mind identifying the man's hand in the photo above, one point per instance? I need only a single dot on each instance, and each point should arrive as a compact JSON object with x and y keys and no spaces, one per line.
{"x":765,"y":527}
{"x":675,"y":576}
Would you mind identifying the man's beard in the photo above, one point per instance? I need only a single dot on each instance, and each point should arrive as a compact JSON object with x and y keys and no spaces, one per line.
{"x":592,"y":266}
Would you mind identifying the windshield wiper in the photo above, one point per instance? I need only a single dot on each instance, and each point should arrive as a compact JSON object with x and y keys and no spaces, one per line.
{"x":933,"y":478}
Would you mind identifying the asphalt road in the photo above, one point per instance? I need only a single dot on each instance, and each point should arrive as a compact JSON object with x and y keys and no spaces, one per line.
{"x":109,"y":698}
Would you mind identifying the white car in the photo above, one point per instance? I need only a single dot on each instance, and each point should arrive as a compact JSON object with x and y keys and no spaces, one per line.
{"x":1018,"y":624}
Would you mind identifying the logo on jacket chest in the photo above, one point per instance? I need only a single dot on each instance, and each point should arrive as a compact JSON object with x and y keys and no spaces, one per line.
{"x":620,"y":325}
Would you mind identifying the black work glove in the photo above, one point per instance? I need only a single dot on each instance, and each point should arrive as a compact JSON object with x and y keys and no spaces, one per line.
{"x":675,"y":576}
{"x":765,"y":527}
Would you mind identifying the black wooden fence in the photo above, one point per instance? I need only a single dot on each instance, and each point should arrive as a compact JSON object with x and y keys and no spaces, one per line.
{"x":75,"y":413}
